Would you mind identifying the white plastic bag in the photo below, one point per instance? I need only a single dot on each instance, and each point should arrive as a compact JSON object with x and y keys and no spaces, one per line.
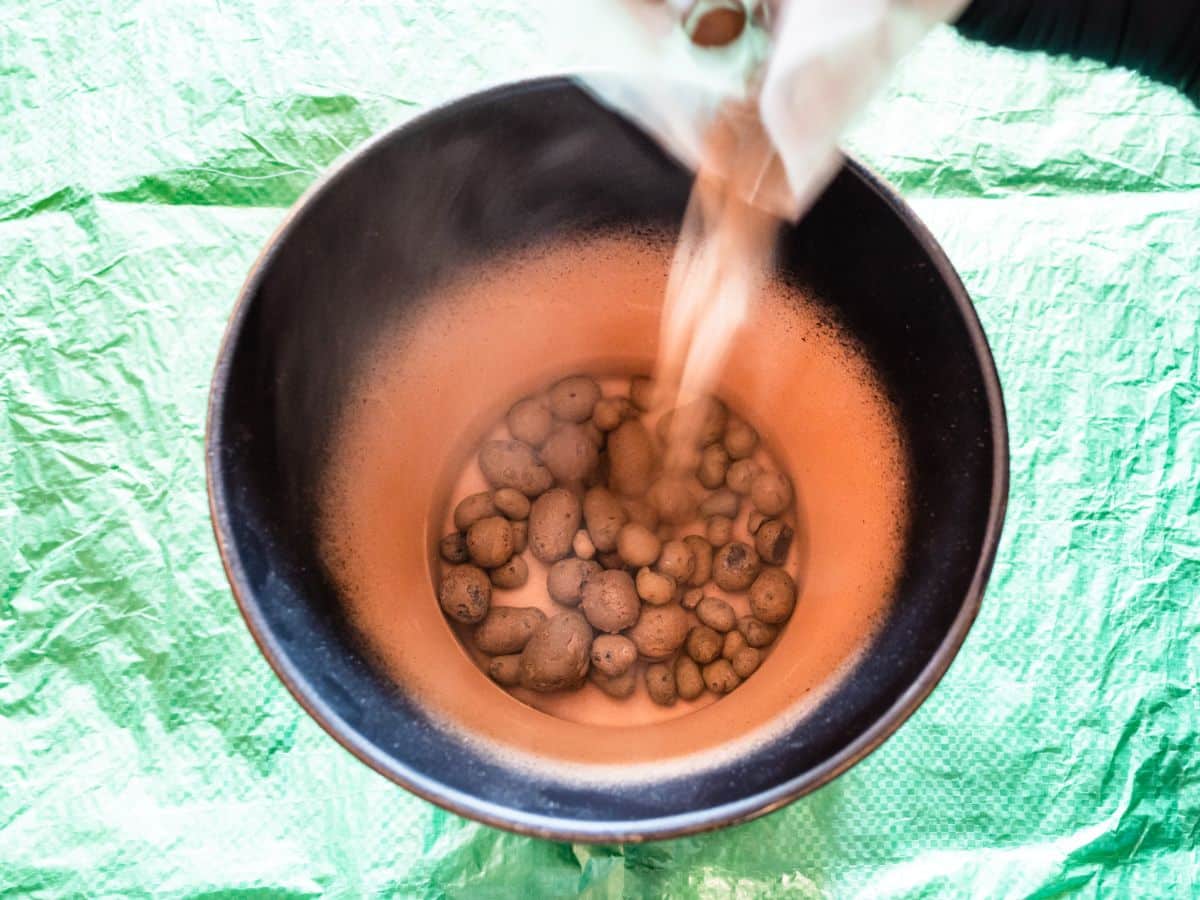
{"x":804,"y":68}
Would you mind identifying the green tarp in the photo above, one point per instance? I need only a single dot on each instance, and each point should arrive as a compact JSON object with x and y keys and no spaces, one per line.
{"x":148,"y":148}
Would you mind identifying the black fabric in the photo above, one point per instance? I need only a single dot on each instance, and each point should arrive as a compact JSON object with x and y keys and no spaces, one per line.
{"x":1159,"y":38}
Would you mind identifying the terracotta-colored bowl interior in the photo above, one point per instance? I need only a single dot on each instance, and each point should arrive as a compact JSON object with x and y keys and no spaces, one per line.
{"x":442,"y":375}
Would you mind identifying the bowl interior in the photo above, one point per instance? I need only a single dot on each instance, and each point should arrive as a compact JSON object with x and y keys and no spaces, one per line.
{"x":371,"y":241}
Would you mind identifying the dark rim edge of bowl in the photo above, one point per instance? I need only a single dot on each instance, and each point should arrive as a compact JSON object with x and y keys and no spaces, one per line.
{"x":551,"y":827}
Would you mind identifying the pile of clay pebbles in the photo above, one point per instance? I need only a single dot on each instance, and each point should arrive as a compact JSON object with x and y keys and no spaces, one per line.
{"x":644,"y":564}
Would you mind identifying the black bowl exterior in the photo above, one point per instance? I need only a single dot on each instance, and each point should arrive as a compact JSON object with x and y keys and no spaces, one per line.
{"x":380,"y":230}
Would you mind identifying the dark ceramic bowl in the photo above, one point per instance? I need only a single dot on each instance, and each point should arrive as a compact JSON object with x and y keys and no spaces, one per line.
{"x":379,"y":231}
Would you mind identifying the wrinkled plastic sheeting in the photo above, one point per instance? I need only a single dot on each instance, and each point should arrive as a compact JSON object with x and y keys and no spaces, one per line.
{"x":149,"y":149}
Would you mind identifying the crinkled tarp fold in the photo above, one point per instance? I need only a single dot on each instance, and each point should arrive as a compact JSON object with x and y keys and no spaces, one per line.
{"x":150,"y":147}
